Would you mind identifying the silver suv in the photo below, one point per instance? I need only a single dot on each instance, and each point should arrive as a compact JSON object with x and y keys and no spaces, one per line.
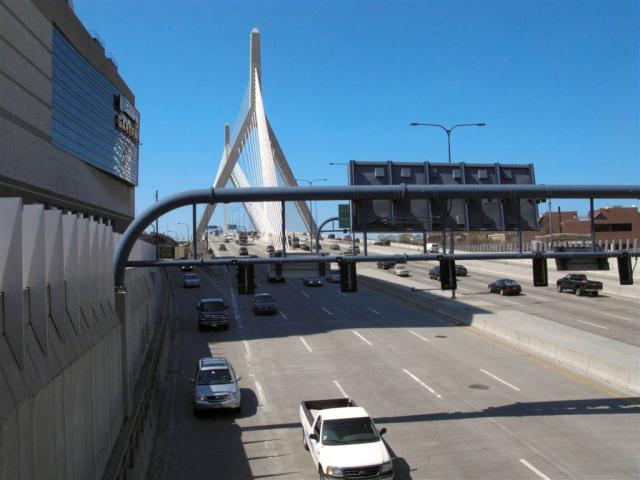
{"x":215,"y":385}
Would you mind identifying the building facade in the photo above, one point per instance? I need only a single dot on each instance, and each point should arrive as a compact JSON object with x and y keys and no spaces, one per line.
{"x":69,"y":129}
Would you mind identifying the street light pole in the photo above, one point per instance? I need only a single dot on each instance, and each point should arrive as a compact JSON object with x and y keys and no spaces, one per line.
{"x":448,"y":132}
{"x":188,"y":233}
{"x":315,"y":216}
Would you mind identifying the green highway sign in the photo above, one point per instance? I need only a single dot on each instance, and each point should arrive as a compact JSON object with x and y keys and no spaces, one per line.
{"x":232,"y":227}
{"x":344,"y":216}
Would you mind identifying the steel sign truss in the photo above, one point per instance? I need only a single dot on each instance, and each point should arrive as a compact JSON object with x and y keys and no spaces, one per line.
{"x":471,"y":214}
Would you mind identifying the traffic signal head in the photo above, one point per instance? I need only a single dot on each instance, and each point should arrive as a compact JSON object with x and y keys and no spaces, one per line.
{"x":625,"y":271}
{"x":246,"y":280}
{"x":540,"y":277}
{"x":348,"y":277}
{"x":448,"y":274}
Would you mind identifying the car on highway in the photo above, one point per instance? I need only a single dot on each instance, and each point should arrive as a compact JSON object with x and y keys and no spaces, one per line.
{"x":296,"y":243}
{"x":270,"y":249}
{"x":352,"y":251}
{"x":343,"y":440}
{"x":215,"y":386}
{"x":433,"y":247}
{"x":334,"y":246}
{"x":505,"y":286}
{"x":212,"y":314}
{"x":401,"y":271}
{"x":461,"y":271}
{"x":191,"y":280}
{"x":226,"y":240}
{"x":386,"y":264}
{"x":273,"y":277}
{"x":186,"y":268}
{"x":243,"y":251}
{"x":312,"y":281}
{"x":579,"y":284}
{"x":333,"y":276}
{"x":305,"y":246}
{"x":331,"y":236}
{"x":263,"y":303}
{"x":222,"y":248}
{"x":346,"y":238}
{"x":378,"y":243}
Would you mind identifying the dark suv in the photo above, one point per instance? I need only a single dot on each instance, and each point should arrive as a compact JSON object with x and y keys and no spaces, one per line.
{"x":211,"y":314}
{"x":386,"y":264}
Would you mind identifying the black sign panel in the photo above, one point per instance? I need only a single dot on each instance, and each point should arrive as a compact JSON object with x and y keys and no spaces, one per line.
{"x":437,"y":215}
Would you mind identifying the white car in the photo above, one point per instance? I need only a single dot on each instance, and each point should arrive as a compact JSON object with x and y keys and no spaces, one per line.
{"x":191,"y":280}
{"x":401,"y":271}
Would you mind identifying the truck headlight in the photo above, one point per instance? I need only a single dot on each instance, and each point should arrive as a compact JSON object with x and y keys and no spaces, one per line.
{"x":334,"y":471}
{"x":387,"y":467}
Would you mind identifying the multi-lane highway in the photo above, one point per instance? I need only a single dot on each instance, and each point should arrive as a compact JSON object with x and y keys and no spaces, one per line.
{"x":456,"y":404}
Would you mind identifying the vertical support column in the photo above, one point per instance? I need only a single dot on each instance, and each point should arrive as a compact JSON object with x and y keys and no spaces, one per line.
{"x":452,"y":249}
{"x":443,"y":241}
{"x":283,"y":232}
{"x":593,"y":225}
{"x":424,"y":242}
{"x":195,"y":235}
{"x":364,"y":238}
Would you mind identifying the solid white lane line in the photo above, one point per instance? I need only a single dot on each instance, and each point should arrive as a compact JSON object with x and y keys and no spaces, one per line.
{"x":261,"y":397}
{"x":421,"y":382}
{"x":619,"y":317}
{"x":534,"y":469}
{"x":283,"y":315}
{"x":329,"y":312}
{"x":304,"y":293}
{"x":362,"y":338}
{"x":342,"y":392}
{"x":511,"y":302}
{"x":593,"y":324}
{"x":373,"y":311}
{"x":306,"y":344}
{"x":418,"y":335}
{"x":499,"y":379}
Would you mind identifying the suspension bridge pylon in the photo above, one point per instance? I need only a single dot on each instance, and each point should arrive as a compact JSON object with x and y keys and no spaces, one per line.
{"x":252,"y":157}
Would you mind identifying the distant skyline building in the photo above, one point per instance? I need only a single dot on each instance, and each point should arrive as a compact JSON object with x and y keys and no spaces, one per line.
{"x":69,"y":129}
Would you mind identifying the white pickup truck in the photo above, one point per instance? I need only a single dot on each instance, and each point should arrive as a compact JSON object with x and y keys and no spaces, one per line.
{"x":343,"y":440}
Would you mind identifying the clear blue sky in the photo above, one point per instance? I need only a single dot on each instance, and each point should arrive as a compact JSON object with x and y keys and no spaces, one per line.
{"x":557,"y":83}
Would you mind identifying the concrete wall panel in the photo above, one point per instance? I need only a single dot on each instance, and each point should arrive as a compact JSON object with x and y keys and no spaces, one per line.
{"x":30,"y":16}
{"x":33,"y":271}
{"x":54,"y":269}
{"x":24,"y":73}
{"x":11,"y":275}
{"x":84,"y":288}
{"x":70,"y":259}
{"x":44,"y":432}
{"x":10,"y":447}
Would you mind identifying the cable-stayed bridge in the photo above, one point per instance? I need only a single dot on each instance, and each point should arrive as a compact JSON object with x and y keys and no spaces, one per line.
{"x":252,"y":157}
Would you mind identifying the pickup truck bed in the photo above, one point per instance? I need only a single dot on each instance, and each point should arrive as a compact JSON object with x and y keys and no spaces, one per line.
{"x":311,"y":408}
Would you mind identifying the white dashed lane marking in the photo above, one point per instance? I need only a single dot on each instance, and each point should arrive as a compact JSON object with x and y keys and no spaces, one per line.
{"x":329,"y":312}
{"x":534,"y":469}
{"x":373,"y":311}
{"x":306,"y":344}
{"x":342,"y":392}
{"x":362,"y":338}
{"x":421,"y":383}
{"x":418,"y":335}
{"x":592,"y":324}
{"x":495,"y":377}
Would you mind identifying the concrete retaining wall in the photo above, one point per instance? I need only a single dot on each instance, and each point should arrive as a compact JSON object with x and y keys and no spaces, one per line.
{"x":63,"y":362}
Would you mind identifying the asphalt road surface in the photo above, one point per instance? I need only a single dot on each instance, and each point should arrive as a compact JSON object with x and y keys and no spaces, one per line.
{"x":456,"y":404}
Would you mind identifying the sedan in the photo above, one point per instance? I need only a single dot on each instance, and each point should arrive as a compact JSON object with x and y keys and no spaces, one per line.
{"x":222,"y":248}
{"x":263,"y":303}
{"x":270,"y":249}
{"x":191,"y":280}
{"x":243,"y":251}
{"x":461,"y":271}
{"x":385,"y":264}
{"x":505,"y":287}
{"x":401,"y":271}
{"x":186,"y":268}
{"x":312,"y":281}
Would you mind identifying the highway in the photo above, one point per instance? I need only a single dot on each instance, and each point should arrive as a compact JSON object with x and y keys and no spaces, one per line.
{"x":457,"y":404}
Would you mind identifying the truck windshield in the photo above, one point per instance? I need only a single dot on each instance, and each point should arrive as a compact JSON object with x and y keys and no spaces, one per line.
{"x":212,"y":306}
{"x":349,"y":431}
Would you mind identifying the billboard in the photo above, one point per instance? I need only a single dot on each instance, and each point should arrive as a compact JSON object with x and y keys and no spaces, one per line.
{"x":435,"y":215}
